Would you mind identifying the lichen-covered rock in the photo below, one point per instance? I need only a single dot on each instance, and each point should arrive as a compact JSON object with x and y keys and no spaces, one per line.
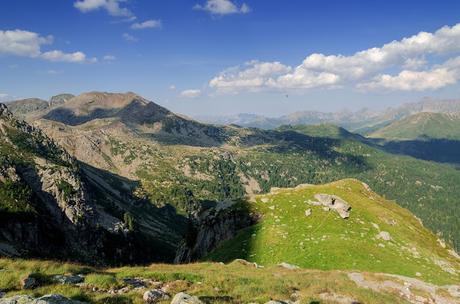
{"x":154,"y":296}
{"x":183,"y":298}
{"x":333,"y":202}
{"x":69,"y":279}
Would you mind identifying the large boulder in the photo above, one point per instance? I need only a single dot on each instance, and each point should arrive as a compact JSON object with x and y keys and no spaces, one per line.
{"x":183,"y":298}
{"x":333,"y":202}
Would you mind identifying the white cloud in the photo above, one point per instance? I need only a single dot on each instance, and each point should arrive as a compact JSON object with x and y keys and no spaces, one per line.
{"x":64,"y":57}
{"x":356,"y":70}
{"x":254,"y":76}
{"x":109,"y":58}
{"x":22,"y":43}
{"x":129,"y":37}
{"x":28,"y":44}
{"x":190,"y":93}
{"x":4,"y":96}
{"x":111,"y":6}
{"x":223,"y":7}
{"x":172,"y":87}
{"x":146,"y":24}
{"x":438,"y":77}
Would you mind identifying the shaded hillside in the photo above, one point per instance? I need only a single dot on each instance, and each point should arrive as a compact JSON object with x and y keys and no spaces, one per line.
{"x":50,"y":206}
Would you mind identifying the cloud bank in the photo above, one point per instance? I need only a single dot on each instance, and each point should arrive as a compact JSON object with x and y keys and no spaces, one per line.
{"x":415,"y":60}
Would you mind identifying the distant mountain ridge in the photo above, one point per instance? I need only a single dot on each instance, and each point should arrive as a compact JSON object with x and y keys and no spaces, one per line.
{"x":362,"y":121}
{"x":423,"y":125}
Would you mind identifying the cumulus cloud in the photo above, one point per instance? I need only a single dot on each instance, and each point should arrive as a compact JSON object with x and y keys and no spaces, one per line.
{"x":129,"y":38}
{"x":222,"y":7}
{"x":110,"y":6}
{"x":29,"y":44}
{"x":435,"y":78}
{"x":193,"y":93}
{"x":407,"y":56}
{"x":146,"y":24}
{"x":64,"y":57}
{"x":22,"y":43}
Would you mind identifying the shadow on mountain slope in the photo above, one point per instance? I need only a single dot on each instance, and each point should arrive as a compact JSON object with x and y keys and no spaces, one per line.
{"x":438,"y":150}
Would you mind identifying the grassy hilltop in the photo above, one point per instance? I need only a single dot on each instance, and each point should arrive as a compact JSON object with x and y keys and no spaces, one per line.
{"x":378,"y":236}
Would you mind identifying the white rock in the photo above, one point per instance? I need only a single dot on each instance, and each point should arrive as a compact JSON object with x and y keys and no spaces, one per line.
{"x":183,"y":298}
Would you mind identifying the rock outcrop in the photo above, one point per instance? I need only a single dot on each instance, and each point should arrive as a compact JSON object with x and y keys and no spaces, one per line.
{"x":211,"y":228}
{"x":333,"y":202}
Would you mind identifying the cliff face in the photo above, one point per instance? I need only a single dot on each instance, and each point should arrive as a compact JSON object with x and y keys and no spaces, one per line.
{"x":214,"y":226}
{"x":51,"y":207}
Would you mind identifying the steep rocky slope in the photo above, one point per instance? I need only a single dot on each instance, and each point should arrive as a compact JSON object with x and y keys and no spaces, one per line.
{"x":51,"y":206}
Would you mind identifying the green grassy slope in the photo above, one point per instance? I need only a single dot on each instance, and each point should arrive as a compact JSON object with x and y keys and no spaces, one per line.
{"x":323,"y":240}
{"x":422,"y":125}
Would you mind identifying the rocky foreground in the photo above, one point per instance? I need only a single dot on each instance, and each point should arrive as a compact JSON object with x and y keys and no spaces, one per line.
{"x":42,"y":282}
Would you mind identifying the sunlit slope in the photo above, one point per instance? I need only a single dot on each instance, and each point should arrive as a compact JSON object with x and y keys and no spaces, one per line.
{"x":422,"y":125}
{"x":378,"y":236}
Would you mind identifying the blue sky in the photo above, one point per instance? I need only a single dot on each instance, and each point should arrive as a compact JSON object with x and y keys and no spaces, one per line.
{"x":225,"y":57}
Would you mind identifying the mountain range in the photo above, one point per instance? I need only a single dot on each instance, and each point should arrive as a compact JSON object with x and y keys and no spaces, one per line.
{"x":363,"y":121}
{"x":115,"y":179}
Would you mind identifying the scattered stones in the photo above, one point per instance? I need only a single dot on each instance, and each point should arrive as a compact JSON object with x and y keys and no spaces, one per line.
{"x":308,"y":212}
{"x":183,"y":298}
{"x":384,"y":235}
{"x":48,"y":299}
{"x":154,"y":296}
{"x":247,"y":263}
{"x":337,"y":298}
{"x":288,"y":266}
{"x":135,"y":282}
{"x":29,"y":283}
{"x":69,"y":279}
{"x":404,"y":287}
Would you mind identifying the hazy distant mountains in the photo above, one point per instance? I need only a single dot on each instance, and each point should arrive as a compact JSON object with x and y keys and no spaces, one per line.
{"x":363,"y":121}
